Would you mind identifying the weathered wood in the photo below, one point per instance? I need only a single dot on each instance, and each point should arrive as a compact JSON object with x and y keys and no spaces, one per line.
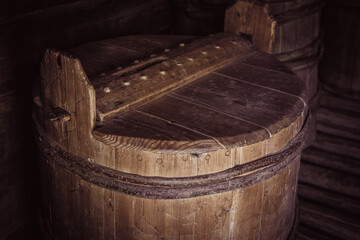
{"x":329,"y":198}
{"x":187,"y":165}
{"x":154,"y":77}
{"x":337,"y":122}
{"x":267,"y":21}
{"x":331,"y":160}
{"x":334,"y":223}
{"x":336,"y":144}
{"x":330,"y":179}
{"x":307,"y":232}
{"x":288,"y":29}
{"x":331,"y":100}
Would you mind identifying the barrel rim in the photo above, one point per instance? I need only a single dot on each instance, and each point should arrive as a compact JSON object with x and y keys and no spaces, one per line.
{"x":151,"y":187}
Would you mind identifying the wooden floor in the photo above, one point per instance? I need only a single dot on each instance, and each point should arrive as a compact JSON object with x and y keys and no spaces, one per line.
{"x":329,"y":182}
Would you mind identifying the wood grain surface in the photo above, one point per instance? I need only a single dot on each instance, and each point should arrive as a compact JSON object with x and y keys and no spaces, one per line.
{"x":226,"y":116}
{"x":288,"y":29}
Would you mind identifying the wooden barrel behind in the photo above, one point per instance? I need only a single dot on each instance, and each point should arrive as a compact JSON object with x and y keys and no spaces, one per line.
{"x":339,"y":69}
{"x":288,"y":29}
{"x":163,"y":137}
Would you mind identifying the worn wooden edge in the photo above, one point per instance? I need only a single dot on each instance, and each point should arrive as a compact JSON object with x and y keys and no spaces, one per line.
{"x":261,"y":11}
{"x":315,"y":48}
{"x":166,"y":74}
{"x":262,"y":38}
{"x":199,"y":146}
{"x":293,"y":128}
{"x":173,"y":188}
{"x":303,"y":62}
{"x":74,"y":67}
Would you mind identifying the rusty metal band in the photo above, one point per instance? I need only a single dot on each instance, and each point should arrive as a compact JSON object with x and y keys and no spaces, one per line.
{"x":176,"y":187}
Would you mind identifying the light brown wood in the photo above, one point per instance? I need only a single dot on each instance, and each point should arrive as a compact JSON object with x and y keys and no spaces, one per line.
{"x":156,"y":76}
{"x":276,"y":27}
{"x":248,"y":109}
{"x":288,"y":29}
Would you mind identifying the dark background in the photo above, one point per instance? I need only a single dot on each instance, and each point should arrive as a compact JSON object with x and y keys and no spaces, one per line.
{"x":28,"y":27}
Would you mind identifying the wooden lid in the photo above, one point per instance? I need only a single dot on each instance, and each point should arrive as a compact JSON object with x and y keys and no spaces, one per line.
{"x":171,"y":93}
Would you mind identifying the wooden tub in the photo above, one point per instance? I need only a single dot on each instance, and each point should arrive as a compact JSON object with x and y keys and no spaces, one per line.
{"x":163,"y":137}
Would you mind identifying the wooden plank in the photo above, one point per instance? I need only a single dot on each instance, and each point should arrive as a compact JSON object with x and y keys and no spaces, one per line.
{"x":243,"y":100}
{"x":308,"y":232}
{"x":338,"y":122}
{"x":134,"y":129}
{"x":337,"y":144}
{"x":330,"y":221}
{"x":334,"y":161}
{"x":155,"y":77}
{"x":310,"y":192}
{"x":285,"y":26}
{"x":326,"y":178}
{"x":259,"y":59}
{"x":222,"y":128}
{"x":107,"y":56}
{"x":261,"y":76}
{"x":331,"y":100}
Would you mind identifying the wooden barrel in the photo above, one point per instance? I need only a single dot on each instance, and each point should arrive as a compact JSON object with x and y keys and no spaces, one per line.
{"x":26,"y":30}
{"x":288,"y":29}
{"x":339,"y":69}
{"x":168,"y":137}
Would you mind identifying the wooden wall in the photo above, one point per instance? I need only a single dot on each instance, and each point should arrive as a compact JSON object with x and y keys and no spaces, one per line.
{"x":339,"y":70}
{"x":26,"y":29}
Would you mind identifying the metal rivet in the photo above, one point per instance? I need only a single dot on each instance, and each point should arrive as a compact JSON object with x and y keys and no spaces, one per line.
{"x":159,"y":161}
{"x":143,"y":77}
{"x":167,"y":50}
{"x":126,"y":83}
{"x":207,"y":157}
{"x":227,"y":153}
{"x":162,"y":72}
{"x":179,"y":64}
{"x":136,"y":61}
{"x":204,"y":52}
{"x":217,"y":47}
{"x":184,"y":158}
{"x":124,"y":94}
{"x":107,"y":89}
{"x":182,"y":44}
{"x":139,"y":157}
{"x":119,"y":68}
{"x":190,"y":59}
